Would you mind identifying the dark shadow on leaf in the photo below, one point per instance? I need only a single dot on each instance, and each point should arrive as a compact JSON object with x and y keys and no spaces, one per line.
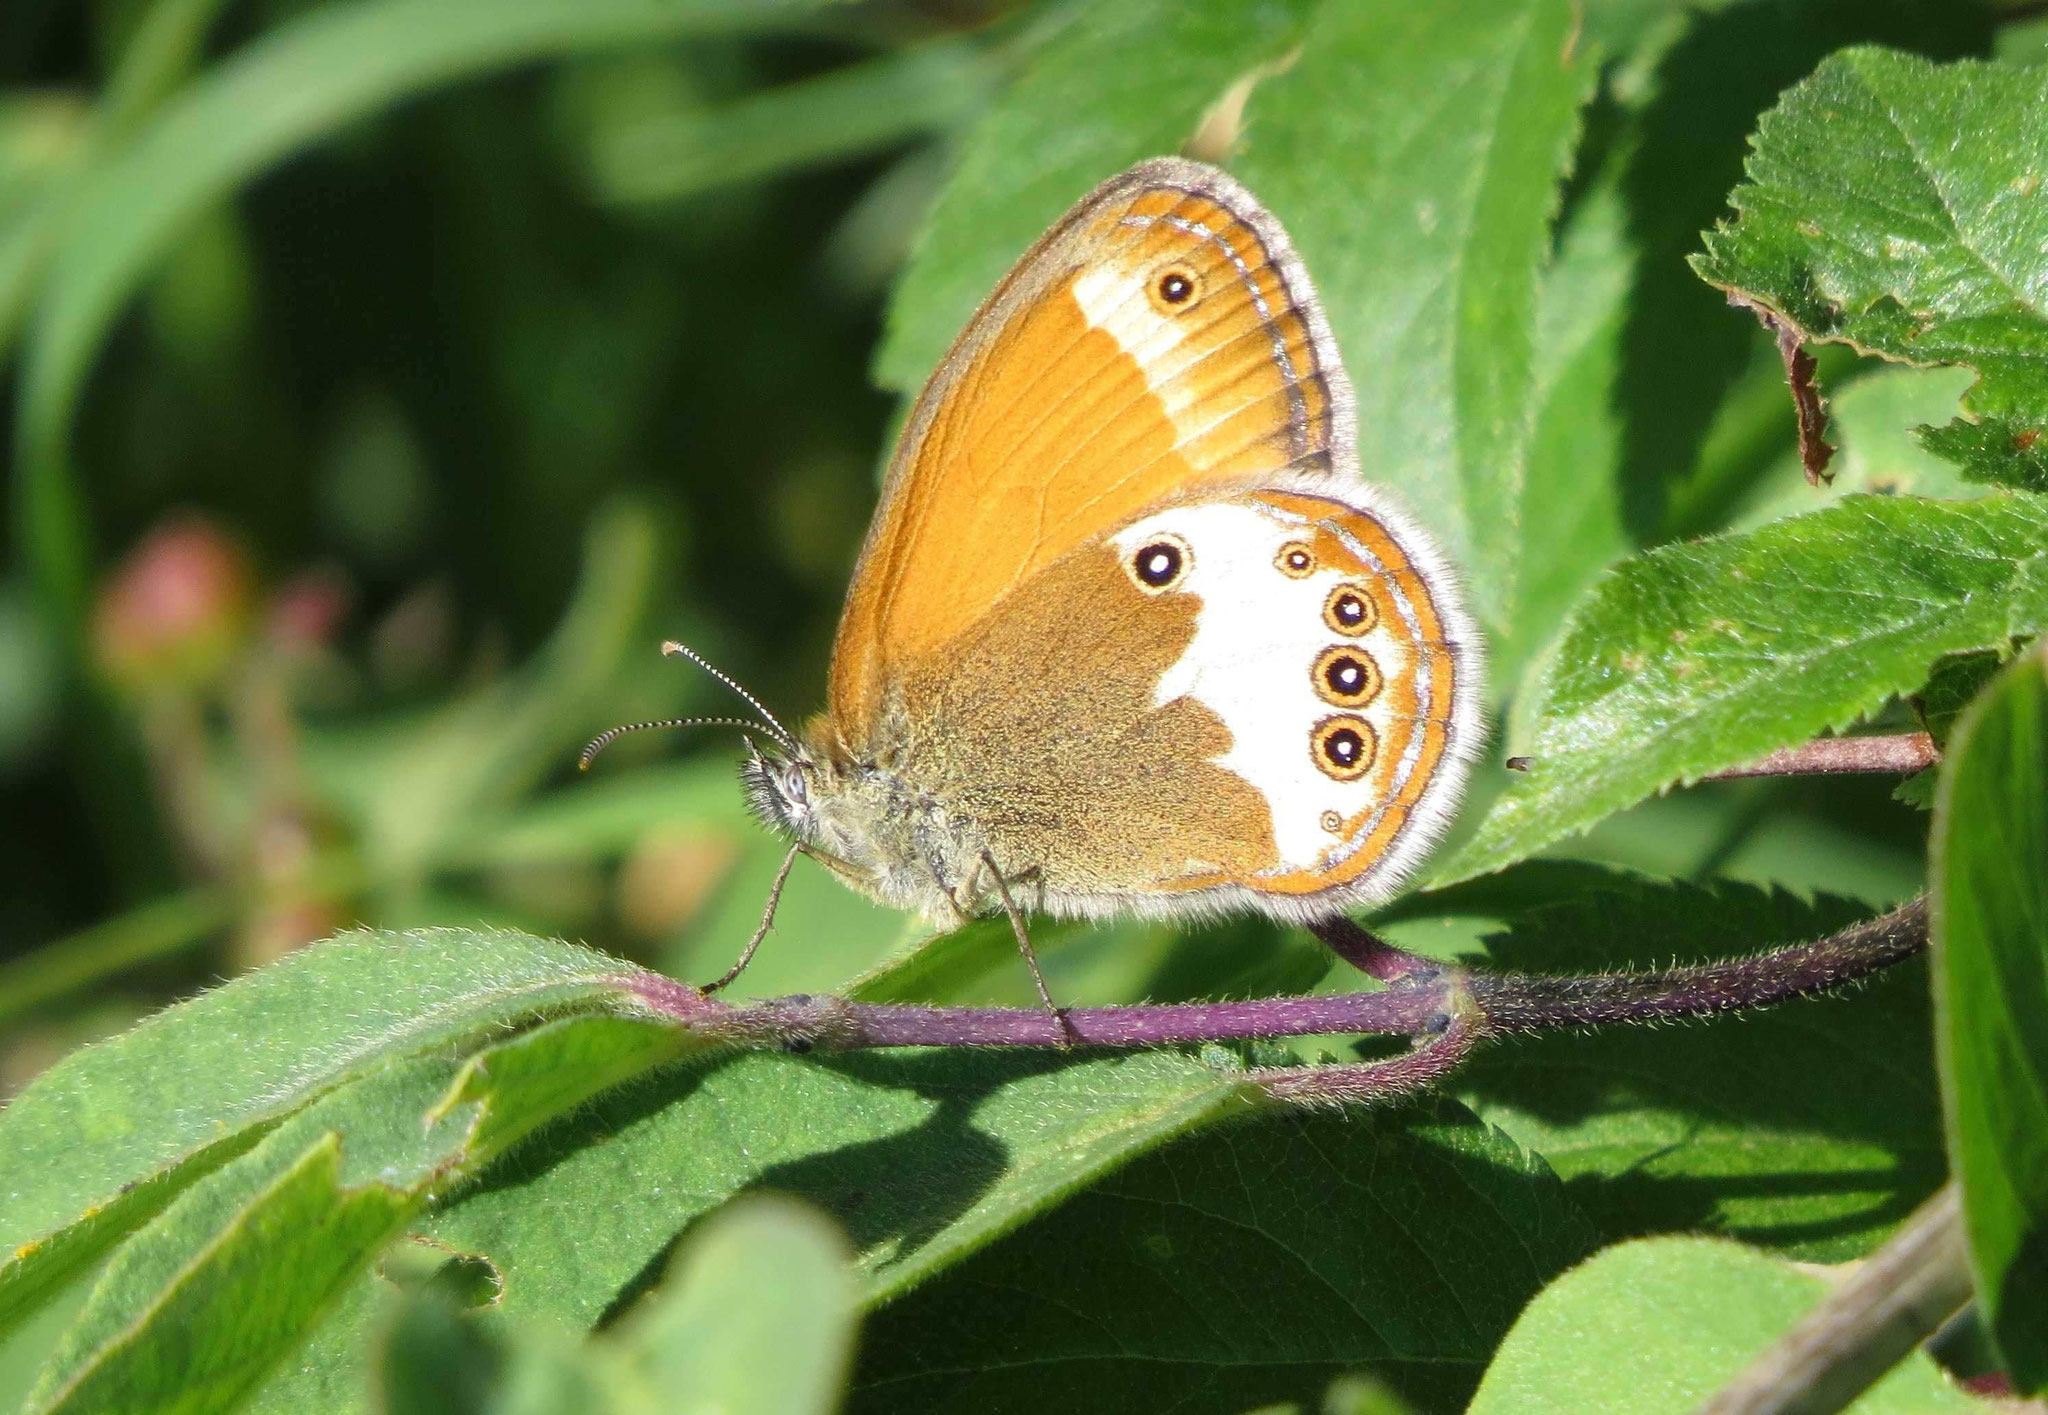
{"x":1243,"y":1266}
{"x":1246,"y":957}
{"x":1840,"y":1086}
{"x":896,"y":1191}
{"x":1636,"y":1204}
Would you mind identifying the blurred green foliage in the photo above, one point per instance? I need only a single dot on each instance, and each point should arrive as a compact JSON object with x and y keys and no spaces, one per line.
{"x":409,"y":450}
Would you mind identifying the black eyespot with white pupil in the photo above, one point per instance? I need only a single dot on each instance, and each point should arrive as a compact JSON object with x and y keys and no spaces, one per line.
{"x":1176,"y":287}
{"x":1295,"y":560}
{"x":1349,"y":611}
{"x":1160,"y":564}
{"x":1346,"y":677}
{"x":1344,"y":746}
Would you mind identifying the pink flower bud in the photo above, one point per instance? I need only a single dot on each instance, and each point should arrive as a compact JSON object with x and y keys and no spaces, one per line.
{"x":175,"y":611}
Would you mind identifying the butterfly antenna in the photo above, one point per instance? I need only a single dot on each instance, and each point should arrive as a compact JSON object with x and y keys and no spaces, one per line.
{"x":782,"y":735}
{"x":610,"y":735}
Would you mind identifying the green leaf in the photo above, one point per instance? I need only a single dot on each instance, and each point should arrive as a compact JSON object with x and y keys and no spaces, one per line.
{"x":112,"y":1133}
{"x":1572,"y":512}
{"x":1893,"y":205}
{"x":1990,"y":851}
{"x":1693,"y":658}
{"x":757,"y":1318}
{"x":436,"y":1361}
{"x":1660,"y":1325}
{"x":301,"y":82}
{"x":1414,"y":155}
{"x":193,"y":1312}
{"x":1871,"y":422}
{"x":1057,"y":131}
{"x":923,"y":1157}
{"x":1951,"y":687}
{"x":1993,"y":450}
{"x":1811,"y":1127}
{"x":1244,"y":1266}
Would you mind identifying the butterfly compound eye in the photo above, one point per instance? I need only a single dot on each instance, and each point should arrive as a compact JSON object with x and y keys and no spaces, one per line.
{"x":1161,"y":563}
{"x":1344,"y":747}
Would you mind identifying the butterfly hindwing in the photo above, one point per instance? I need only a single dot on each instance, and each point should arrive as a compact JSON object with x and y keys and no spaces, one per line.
{"x":1261,"y":698}
{"x":1330,"y":647}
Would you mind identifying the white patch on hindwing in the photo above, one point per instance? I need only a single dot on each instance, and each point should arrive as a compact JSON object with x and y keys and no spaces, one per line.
{"x":1257,"y":637}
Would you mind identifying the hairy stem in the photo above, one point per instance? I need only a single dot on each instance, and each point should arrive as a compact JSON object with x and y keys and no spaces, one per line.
{"x":1452,"y":1008}
{"x":1370,"y":1082}
{"x":833,"y":1022}
{"x":1372,"y":955}
{"x":1898,"y":755}
{"x":1525,"y":1003}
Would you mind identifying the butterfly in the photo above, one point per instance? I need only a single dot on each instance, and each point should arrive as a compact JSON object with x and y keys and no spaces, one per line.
{"x":1129,"y":633}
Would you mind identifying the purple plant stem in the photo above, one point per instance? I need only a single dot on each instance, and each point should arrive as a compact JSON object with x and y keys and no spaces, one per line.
{"x":1899,"y":755}
{"x":1471,"y":1006}
{"x":1370,"y":1082}
{"x":832,"y":1022}
{"x":1524,"y":1003}
{"x":1372,"y":955}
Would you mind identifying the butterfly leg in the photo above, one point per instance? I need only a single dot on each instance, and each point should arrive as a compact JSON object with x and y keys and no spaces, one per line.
{"x":1023,"y":936}
{"x":767,"y":923}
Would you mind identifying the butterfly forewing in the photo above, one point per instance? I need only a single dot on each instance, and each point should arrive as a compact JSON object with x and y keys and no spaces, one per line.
{"x":1160,"y":340}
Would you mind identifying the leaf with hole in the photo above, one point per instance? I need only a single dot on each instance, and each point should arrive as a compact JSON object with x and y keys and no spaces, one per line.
{"x":112,"y":1133}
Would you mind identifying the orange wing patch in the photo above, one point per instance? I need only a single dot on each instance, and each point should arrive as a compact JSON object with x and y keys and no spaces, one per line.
{"x":1159,"y":341}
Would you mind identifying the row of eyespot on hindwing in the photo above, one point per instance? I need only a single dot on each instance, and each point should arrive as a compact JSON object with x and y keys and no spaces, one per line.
{"x":1343,"y":744}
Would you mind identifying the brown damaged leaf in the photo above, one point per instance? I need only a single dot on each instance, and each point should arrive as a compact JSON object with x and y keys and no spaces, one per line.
{"x":1815,"y":452}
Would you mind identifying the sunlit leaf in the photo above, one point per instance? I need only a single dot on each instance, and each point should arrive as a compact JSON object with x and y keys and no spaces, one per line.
{"x":1697,"y":657}
{"x":1894,"y":204}
{"x":1656,"y":1327}
{"x":112,"y":1133}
